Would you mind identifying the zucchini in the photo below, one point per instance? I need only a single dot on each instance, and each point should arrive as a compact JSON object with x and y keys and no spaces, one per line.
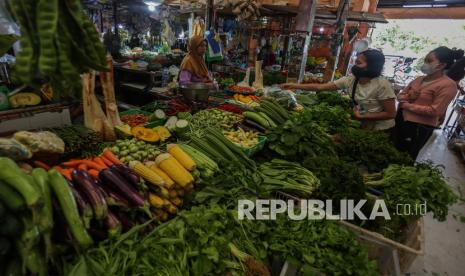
{"x":10,"y":226}
{"x":270,"y":121}
{"x":171,"y":122}
{"x":270,"y":113}
{"x":257,"y":118}
{"x":12,"y":199}
{"x":68,"y":206}
{"x":12,"y":175}
{"x":278,"y":108}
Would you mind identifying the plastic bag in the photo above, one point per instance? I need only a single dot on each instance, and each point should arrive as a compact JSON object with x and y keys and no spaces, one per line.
{"x":44,"y":141}
{"x":13,"y":149}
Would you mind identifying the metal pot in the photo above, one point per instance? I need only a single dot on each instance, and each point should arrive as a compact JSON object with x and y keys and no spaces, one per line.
{"x":195,"y":92}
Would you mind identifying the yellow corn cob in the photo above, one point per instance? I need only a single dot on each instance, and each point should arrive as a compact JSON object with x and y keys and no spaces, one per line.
{"x":168,"y":181}
{"x":156,"y":201}
{"x":174,"y":170}
{"x":146,"y":173}
{"x":181,"y":156}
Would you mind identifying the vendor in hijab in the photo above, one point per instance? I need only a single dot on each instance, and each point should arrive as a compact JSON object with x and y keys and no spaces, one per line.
{"x":193,"y":67}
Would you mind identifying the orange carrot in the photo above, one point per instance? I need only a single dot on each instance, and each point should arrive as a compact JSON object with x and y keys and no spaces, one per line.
{"x":72,"y":163}
{"x":42,"y":165}
{"x":65,"y":172}
{"x":93,"y":174}
{"x":108,"y":154}
{"x":93,"y":165}
{"x":82,"y":167}
{"x":99,"y":161}
{"x":106,"y":161}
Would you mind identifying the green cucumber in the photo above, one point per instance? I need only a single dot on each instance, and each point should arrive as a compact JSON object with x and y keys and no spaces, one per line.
{"x":257,"y":118}
{"x":270,"y":121}
{"x":12,"y":175}
{"x":278,"y":108}
{"x":10,"y":197}
{"x":270,"y":113}
{"x":63,"y":193}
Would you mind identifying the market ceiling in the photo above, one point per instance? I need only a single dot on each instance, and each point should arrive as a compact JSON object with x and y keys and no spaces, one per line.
{"x":420,"y":3}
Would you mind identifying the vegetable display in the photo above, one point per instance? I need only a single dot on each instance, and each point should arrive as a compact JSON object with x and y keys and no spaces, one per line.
{"x":209,"y":240}
{"x":134,"y":150}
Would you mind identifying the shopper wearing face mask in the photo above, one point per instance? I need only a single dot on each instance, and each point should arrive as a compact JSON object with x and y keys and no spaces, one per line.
{"x":425,"y":100}
{"x":372,"y":95}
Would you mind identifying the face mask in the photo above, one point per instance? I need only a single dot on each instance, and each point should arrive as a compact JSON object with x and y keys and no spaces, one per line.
{"x":362,"y":72}
{"x":428,"y":68}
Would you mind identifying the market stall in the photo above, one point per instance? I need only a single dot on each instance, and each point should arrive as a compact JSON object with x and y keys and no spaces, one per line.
{"x":153,"y":189}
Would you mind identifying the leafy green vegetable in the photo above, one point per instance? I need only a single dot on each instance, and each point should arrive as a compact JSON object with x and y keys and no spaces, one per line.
{"x":413,"y":186}
{"x":334,"y":119}
{"x":213,"y":241}
{"x":334,"y":99}
{"x":371,"y":149}
{"x":339,"y":179}
{"x":299,"y":137}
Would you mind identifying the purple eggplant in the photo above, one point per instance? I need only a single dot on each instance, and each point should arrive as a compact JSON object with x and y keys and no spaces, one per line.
{"x":254,"y":125}
{"x":85,"y":209}
{"x":85,"y":184}
{"x":119,"y":183}
{"x":112,"y":224}
{"x":127,"y":173}
{"x":113,"y":198}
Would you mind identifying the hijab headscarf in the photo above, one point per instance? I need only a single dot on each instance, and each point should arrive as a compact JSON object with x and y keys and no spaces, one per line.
{"x":193,"y":62}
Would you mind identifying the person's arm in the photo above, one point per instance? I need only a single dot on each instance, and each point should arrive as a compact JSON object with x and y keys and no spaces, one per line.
{"x":439,"y":105}
{"x":389,"y":112}
{"x":310,"y":86}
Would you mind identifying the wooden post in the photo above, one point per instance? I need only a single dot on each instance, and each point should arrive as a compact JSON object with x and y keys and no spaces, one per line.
{"x":342,"y":14}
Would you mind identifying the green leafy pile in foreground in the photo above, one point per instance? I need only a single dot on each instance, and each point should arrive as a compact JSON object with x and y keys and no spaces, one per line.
{"x":213,"y":241}
{"x":413,"y":186}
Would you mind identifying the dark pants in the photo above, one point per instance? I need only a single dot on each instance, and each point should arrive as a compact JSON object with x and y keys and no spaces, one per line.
{"x":410,"y":137}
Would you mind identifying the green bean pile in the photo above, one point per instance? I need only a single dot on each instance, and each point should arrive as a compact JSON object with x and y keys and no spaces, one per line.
{"x":58,"y":43}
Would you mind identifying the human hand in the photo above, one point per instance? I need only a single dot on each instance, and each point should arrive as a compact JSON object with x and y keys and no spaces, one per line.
{"x":356,"y":114}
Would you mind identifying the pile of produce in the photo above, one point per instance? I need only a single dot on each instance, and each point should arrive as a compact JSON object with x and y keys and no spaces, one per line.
{"x":155,"y":105}
{"x":24,"y":145}
{"x":209,"y":240}
{"x":134,"y":150}
{"x":333,"y":99}
{"x":80,"y":142}
{"x":414,"y":186}
{"x":288,"y":177}
{"x":212,"y":118}
{"x":58,"y":43}
{"x":300,"y":137}
{"x":135,"y":119}
{"x":230,"y":108}
{"x":244,"y":139}
{"x":371,"y":149}
{"x":175,"y":106}
{"x":334,"y":119}
{"x":217,"y":147}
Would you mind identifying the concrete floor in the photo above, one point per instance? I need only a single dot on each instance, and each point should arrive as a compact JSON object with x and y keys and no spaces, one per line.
{"x":444,"y":241}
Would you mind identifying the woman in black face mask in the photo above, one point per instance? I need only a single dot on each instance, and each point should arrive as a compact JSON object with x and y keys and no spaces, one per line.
{"x":371,"y":94}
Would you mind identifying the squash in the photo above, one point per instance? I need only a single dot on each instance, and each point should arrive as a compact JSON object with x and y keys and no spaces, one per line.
{"x":123,"y":131}
{"x":24,"y":99}
{"x":145,"y":134}
{"x":162,"y":132}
